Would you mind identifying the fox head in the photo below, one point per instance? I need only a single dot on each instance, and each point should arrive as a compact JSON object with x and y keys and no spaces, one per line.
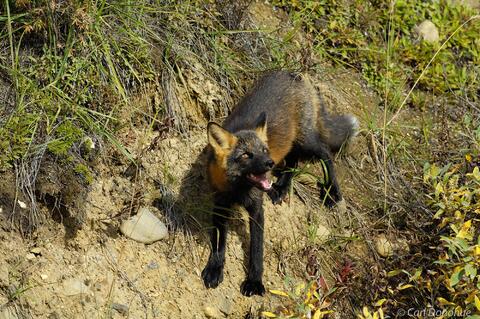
{"x":241,"y":159}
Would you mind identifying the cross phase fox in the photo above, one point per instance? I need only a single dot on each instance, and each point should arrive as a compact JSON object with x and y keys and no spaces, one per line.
{"x":278,"y":123}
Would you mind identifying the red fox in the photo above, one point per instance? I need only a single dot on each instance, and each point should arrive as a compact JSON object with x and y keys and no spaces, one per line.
{"x":279,"y":122}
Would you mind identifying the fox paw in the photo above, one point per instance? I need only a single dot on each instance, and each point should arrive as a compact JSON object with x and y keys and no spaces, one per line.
{"x":250,"y":288}
{"x":212,"y":276}
{"x":330,"y":199}
{"x":277,"y":196}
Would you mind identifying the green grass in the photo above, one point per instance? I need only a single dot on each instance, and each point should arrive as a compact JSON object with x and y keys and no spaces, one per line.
{"x":380,"y":42}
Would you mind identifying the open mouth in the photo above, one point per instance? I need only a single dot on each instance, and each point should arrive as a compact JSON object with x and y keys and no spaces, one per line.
{"x":261,"y":181}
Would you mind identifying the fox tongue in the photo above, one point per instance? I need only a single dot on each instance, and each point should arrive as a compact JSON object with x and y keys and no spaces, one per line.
{"x":262,"y":181}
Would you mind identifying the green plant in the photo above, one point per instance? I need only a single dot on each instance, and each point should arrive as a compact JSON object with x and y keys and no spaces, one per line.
{"x":362,"y":34}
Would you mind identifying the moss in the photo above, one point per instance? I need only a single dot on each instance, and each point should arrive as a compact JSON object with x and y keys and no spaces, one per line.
{"x":85,"y":172}
{"x":67,"y":134}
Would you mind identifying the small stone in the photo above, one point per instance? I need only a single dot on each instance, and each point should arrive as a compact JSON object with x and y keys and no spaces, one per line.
{"x":72,"y":287}
{"x":30,"y":256}
{"x":322,"y":233}
{"x":43,"y":276}
{"x":144,"y":227}
{"x":36,"y":250}
{"x":383,"y":246}
{"x":120,"y":308}
{"x":212,"y":313}
{"x":152,"y":265}
{"x":427,"y":31}
{"x":22,"y":204}
{"x":225,"y":305}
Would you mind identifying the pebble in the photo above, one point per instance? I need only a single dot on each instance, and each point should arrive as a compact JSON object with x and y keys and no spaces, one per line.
{"x":30,"y":256}
{"x":212,"y":313}
{"x":36,"y":250}
{"x":383,"y":246}
{"x":322,"y":234}
{"x":144,"y":227}
{"x":72,"y":287}
{"x":427,"y":31}
{"x":225,"y":305}
{"x":120,"y":308}
{"x":22,"y":205}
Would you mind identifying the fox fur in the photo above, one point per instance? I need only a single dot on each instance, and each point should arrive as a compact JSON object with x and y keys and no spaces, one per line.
{"x":278,"y":123}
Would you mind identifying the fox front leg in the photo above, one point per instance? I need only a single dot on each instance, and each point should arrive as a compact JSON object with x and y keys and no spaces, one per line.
{"x":212,"y":274}
{"x":253,"y":284}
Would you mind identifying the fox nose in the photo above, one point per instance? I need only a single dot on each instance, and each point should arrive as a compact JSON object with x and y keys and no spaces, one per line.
{"x":269,"y":164}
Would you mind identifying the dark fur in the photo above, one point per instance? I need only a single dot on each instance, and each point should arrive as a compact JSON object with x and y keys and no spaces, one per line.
{"x":296,"y":127}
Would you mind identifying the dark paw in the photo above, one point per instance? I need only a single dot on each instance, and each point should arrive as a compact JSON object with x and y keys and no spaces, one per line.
{"x":250,"y":288}
{"x":329,"y":198}
{"x":329,"y":202}
{"x":277,"y":195}
{"x":212,"y":276}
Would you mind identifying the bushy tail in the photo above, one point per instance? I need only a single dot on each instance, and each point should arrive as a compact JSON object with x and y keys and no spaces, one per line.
{"x":341,"y":129}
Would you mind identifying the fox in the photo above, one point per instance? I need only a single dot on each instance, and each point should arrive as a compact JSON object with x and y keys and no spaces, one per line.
{"x":278,"y":123}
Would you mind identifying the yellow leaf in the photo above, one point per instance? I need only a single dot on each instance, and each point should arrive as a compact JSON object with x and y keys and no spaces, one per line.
{"x":477,"y":303}
{"x":464,"y":231}
{"x":299,"y":288}
{"x":380,"y":311}
{"x":268,"y":314}
{"x":444,"y":302}
{"x":438,"y":189}
{"x":320,"y":314}
{"x":380,"y":302}
{"x":402,"y":287}
{"x":476,"y":173}
{"x":476,"y":251}
{"x":278,"y":292}
{"x":366,"y":313}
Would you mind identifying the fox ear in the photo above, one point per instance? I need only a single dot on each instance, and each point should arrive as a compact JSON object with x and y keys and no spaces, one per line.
{"x":261,"y":126}
{"x":220,"y":138}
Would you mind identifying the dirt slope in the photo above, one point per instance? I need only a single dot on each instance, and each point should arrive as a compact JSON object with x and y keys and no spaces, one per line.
{"x":99,"y":270}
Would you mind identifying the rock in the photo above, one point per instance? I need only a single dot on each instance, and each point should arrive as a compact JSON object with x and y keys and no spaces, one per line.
{"x":30,"y":256}
{"x":427,"y":31}
{"x":152,"y":265}
{"x":225,"y":305}
{"x":383,"y":246}
{"x":144,"y":227}
{"x":36,"y":250}
{"x":4,"y":277}
{"x":322,"y":233}
{"x":22,"y":205}
{"x":72,"y":287}
{"x":212,"y":313}
{"x":120,"y":308}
